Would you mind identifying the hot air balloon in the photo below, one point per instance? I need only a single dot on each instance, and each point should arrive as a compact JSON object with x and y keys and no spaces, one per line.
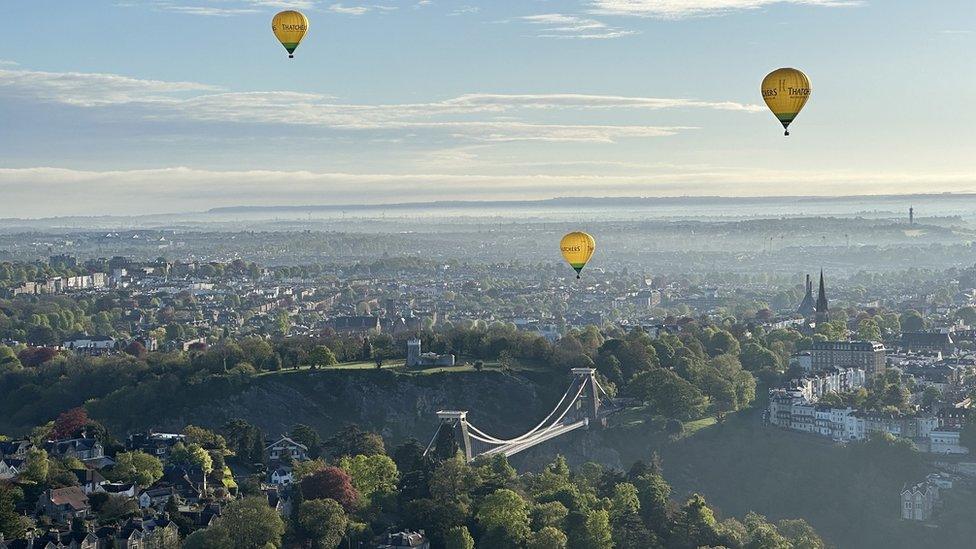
{"x":785,"y":92}
{"x":289,"y":28}
{"x":577,"y":248}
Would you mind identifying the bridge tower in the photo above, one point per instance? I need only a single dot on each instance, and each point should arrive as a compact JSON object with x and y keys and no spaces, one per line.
{"x":458,"y":420}
{"x":587,"y":376}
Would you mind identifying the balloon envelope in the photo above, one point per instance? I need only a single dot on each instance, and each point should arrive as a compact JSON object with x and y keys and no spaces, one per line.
{"x":577,"y":248}
{"x":289,"y":28}
{"x":786,"y":92}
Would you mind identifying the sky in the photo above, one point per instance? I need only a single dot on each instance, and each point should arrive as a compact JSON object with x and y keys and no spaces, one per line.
{"x":154,"y":106}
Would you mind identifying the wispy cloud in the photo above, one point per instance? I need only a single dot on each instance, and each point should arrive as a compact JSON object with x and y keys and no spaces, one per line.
{"x":8,"y":63}
{"x":558,"y":25}
{"x":678,"y":9}
{"x":474,"y":117}
{"x":360,"y":9}
{"x":209,"y":11}
{"x":464,"y":10}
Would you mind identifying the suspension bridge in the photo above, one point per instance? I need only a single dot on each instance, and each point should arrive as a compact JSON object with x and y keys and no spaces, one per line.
{"x":584,"y":403}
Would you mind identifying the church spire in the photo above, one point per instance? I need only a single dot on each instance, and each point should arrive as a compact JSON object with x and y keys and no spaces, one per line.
{"x":822,"y":315}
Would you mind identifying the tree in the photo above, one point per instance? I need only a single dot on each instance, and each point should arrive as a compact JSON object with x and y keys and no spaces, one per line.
{"x":138,"y":467}
{"x":376,"y":474}
{"x":597,"y":530}
{"x":722,"y":342}
{"x":190,"y":455}
{"x":625,"y":500}
{"x":250,"y":523}
{"x":504,"y":517}
{"x":36,"y":356}
{"x":69,"y":423}
{"x":458,"y":538}
{"x":353,"y":441}
{"x":695,"y":525}
{"x":868,"y":330}
{"x":654,"y":494}
{"x":37,"y":466}
{"x":667,"y":394}
{"x":323,"y":521}
{"x":366,"y":351}
{"x":322,"y":356}
{"x":308,"y":437}
{"x":912,"y":321}
{"x":137,"y":349}
{"x":204,"y":437}
{"x":330,"y":483}
{"x":547,"y":538}
{"x":12,"y":525}
{"x":755,"y":357}
{"x":801,"y":534}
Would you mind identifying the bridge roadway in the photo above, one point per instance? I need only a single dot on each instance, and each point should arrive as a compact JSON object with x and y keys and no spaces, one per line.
{"x":553,"y":432}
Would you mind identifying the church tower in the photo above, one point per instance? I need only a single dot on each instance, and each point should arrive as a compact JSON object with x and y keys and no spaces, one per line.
{"x":822,"y":314}
{"x":807,"y":307}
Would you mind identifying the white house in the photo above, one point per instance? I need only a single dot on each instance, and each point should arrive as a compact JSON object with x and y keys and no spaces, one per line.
{"x":282,"y":476}
{"x":918,"y":501}
{"x":286,"y":446}
{"x":946,"y":441}
{"x":10,"y":468}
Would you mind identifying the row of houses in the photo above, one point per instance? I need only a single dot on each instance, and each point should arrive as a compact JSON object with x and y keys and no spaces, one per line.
{"x":792,"y":409}
{"x":62,"y":284}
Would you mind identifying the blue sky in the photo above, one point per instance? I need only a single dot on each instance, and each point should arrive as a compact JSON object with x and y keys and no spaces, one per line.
{"x":177,"y":105}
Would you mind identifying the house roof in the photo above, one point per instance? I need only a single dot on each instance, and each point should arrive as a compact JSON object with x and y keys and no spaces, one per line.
{"x":288,"y":441}
{"x":72,"y":496}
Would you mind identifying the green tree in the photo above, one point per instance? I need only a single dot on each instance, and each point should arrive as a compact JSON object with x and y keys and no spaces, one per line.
{"x":138,"y":467}
{"x":547,"y":538}
{"x":868,"y":330}
{"x":504,"y":517}
{"x":12,"y":525}
{"x":36,"y":466}
{"x":322,"y":356}
{"x":755,"y":357}
{"x":458,"y":538}
{"x":598,"y":534}
{"x":376,"y":474}
{"x":191,"y":455}
{"x":323,"y":521}
{"x":307,"y":436}
{"x":695,"y":525}
{"x":667,"y":394}
{"x":250,"y":523}
{"x":912,"y":321}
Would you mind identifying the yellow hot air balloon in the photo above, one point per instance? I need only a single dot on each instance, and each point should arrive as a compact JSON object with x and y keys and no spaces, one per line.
{"x":289,"y":28}
{"x":785,"y":92}
{"x":577,"y":248}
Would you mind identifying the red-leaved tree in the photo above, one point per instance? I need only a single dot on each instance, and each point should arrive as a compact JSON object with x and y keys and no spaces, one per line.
{"x":332,"y":483}
{"x":69,"y":423}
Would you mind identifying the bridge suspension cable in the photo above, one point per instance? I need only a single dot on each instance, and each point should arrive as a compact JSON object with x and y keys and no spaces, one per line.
{"x":536,"y":431}
{"x":495,"y":440}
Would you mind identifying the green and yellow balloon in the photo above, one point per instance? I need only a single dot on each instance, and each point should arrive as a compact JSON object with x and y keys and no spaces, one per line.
{"x":289,"y":28}
{"x":577,"y":248}
{"x":786,"y":92}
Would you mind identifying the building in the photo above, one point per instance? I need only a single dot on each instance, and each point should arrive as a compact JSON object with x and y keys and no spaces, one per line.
{"x":63,"y":505}
{"x":919,"y":501}
{"x":154,"y":444}
{"x":940,"y":341}
{"x":84,"y":449}
{"x":821,"y":308}
{"x":286,"y":447}
{"x":413,"y":540}
{"x":946,"y":441}
{"x":866,"y":355}
{"x":807,"y":307}
{"x":418,"y":359}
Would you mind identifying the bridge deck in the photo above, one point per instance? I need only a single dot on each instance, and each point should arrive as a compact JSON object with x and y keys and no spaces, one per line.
{"x":512,"y":449}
